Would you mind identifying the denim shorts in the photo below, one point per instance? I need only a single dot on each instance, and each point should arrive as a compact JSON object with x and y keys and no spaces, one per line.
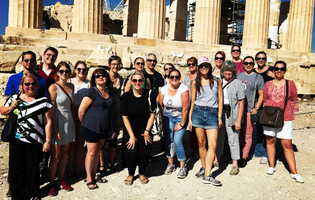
{"x":204,"y":117}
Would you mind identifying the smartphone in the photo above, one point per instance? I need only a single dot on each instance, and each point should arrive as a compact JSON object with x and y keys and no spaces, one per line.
{"x":233,"y":127}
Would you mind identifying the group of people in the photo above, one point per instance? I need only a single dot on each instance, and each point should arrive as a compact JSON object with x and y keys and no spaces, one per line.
{"x":59,"y":114}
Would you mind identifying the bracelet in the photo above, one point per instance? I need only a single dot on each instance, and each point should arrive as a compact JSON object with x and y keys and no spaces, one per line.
{"x":147,"y":130}
{"x":48,"y":142}
{"x":181,"y":125}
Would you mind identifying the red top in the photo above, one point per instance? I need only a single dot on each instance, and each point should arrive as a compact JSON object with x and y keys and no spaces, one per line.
{"x":239,"y":67}
{"x":274,"y":96}
{"x":50,"y":79}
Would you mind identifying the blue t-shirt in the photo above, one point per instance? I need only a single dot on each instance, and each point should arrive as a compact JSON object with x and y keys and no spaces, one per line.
{"x":249,"y":83}
{"x":14,"y":84}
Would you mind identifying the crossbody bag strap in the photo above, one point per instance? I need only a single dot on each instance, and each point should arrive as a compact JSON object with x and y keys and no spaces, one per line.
{"x":65,"y":92}
{"x":286,"y":94}
{"x":149,"y":100}
{"x":255,"y":90}
{"x":227,"y":83}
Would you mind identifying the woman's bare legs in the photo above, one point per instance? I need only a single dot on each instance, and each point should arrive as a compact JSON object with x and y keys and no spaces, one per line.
{"x":271,"y":150}
{"x":212,"y":135}
{"x":201,"y":138}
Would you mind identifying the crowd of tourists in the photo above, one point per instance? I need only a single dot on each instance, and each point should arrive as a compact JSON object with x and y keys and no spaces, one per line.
{"x":59,"y":113}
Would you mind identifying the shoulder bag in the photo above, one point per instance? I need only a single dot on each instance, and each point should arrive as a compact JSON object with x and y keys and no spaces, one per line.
{"x":255,"y":118}
{"x":273,"y":116}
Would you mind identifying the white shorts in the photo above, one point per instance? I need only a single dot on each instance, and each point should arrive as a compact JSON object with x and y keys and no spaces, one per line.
{"x":286,"y":132}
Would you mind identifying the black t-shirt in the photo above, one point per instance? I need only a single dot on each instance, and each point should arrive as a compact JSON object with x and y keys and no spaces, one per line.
{"x":156,"y":81}
{"x":137,"y":109}
{"x":265,"y":74}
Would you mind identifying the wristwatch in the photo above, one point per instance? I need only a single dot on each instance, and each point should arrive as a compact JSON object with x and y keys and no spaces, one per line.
{"x":256,"y":108}
{"x":219,"y":117}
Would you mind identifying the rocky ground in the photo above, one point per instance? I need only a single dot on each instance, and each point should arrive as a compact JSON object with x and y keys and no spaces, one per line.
{"x":251,"y":183}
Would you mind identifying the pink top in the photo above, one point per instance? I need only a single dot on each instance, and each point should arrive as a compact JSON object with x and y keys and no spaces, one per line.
{"x":239,"y":67}
{"x":274,"y":96}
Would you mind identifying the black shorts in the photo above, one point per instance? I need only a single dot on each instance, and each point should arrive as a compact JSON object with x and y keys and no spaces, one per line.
{"x":91,"y":136}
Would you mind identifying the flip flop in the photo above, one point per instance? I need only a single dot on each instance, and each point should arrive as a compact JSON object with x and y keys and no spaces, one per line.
{"x":92,"y":183}
{"x":144,"y":180}
{"x":100,"y":180}
{"x":129,"y":182}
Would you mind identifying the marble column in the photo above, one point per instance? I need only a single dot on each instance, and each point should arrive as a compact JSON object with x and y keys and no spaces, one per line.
{"x":301,"y":25}
{"x":26,"y":13}
{"x":88,"y":16}
{"x":274,"y":22}
{"x":207,"y":21}
{"x":178,"y":20}
{"x":151,"y":21}
{"x":256,"y":24}
{"x":131,"y":12}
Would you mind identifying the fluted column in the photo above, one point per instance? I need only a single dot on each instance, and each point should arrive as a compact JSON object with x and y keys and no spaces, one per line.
{"x":301,"y":25}
{"x":131,"y":12}
{"x":178,"y":20}
{"x":274,"y":22}
{"x":88,"y":16}
{"x":26,"y":13}
{"x":151,"y":22}
{"x":207,"y":21}
{"x":256,"y":24}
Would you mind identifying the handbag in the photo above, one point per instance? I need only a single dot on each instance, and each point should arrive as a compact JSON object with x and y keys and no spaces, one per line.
{"x":273,"y":116}
{"x":8,"y":131}
{"x":255,"y":118}
{"x":157,"y":127}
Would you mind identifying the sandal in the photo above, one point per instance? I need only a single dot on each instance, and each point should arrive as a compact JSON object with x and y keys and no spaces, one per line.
{"x":112,"y":168}
{"x":128,"y":181}
{"x":92,"y":183}
{"x":143,"y":180}
{"x":100,"y":179}
{"x":102,"y":170}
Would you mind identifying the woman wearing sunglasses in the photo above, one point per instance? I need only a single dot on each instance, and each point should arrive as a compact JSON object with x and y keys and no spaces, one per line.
{"x":95,"y":127}
{"x":236,"y":53}
{"x":76,"y":149}
{"x":167,"y":68}
{"x":248,"y":78}
{"x":138,"y":111}
{"x":61,"y":94}
{"x":32,"y":138}
{"x":205,"y":116}
{"x":174,"y":103}
{"x":275,"y":95}
{"x":219,"y":58}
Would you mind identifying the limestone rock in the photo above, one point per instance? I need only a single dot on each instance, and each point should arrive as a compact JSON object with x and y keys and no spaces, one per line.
{"x":8,"y":60}
{"x":99,"y":58}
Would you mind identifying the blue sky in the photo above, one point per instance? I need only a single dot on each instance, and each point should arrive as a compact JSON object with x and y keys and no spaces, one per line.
{"x":5,"y":7}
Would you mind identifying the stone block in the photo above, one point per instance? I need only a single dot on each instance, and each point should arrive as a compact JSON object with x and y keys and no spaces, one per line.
{"x":146,"y":42}
{"x":8,"y":60}
{"x":88,"y":37}
{"x":25,"y":32}
{"x":56,"y":34}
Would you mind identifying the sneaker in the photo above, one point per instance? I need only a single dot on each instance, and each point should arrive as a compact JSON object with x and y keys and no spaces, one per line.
{"x":297,"y":177}
{"x":169,"y":169}
{"x":264,"y":160}
{"x":242,"y":163}
{"x":65,"y":186}
{"x":182,"y":172}
{"x":234,"y":171}
{"x":52,"y":191}
{"x":201,"y":173}
{"x":215,"y":164}
{"x":210,"y":179}
{"x":271,"y":170}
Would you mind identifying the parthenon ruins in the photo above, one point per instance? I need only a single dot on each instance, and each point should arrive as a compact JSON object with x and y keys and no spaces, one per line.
{"x":145,"y":29}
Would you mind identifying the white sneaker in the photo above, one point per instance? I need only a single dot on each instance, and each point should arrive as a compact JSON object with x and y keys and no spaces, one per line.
{"x":264,"y":160}
{"x":271,"y":170}
{"x":297,"y":177}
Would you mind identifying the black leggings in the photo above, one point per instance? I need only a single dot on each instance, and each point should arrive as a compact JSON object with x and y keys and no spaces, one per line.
{"x":140,"y":155}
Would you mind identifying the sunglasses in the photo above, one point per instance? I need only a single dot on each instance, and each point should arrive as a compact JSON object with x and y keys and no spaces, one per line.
{"x":202,"y":66}
{"x":219,"y":58}
{"x":278,"y":68}
{"x":150,"y":60}
{"x":236,"y":50}
{"x":137,"y":80}
{"x":100,"y":75}
{"x":28,"y":84}
{"x":83,"y":69}
{"x":139,"y":63}
{"x":27,"y":60}
{"x":261,"y":58}
{"x":189,"y":64}
{"x":248,"y":63}
{"x":64,"y":71}
{"x":176,"y":77}
{"x":166,"y":69}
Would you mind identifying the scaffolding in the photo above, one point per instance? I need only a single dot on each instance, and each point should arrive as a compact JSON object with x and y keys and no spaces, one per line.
{"x":236,"y":22}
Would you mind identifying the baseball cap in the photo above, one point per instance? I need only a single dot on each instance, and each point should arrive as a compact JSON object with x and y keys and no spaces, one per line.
{"x":203,"y":59}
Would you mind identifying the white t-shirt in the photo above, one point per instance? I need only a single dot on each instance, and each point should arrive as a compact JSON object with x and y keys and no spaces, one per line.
{"x":173,"y":105}
{"x":225,"y":94}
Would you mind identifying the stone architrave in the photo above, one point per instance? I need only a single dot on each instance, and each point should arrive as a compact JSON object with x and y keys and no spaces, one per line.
{"x":26,"y":13}
{"x":131,"y":12}
{"x":274,"y":21}
{"x":151,"y":21}
{"x":301,"y":25}
{"x":178,"y":20}
{"x":256,"y":24}
{"x":207,"y":21}
{"x":88,"y":16}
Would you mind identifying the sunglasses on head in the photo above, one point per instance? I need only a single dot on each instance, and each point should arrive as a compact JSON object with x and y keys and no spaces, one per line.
{"x":236,"y":50}
{"x":176,"y":77}
{"x":166,"y":69}
{"x":83,"y":69}
{"x":137,"y":80}
{"x":29,"y":60}
{"x":219,"y":58}
{"x":258,"y":58}
{"x":100,"y":75}
{"x":248,"y":63}
{"x":64,"y":71}
{"x":279,"y":68}
{"x":191,"y":64}
{"x":28,"y":84}
{"x":150,"y":60}
{"x":139,"y":63}
{"x":203,"y":65}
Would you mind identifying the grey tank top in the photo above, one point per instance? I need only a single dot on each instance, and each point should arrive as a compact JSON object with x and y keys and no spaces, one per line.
{"x":207,"y":96}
